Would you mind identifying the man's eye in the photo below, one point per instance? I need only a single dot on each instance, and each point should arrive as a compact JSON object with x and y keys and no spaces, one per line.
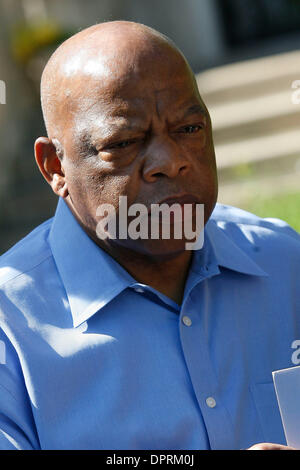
{"x":190,"y":129}
{"x":121,"y":145}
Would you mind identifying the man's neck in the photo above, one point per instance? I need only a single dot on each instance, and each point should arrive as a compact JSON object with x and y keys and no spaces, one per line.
{"x":167,"y":276}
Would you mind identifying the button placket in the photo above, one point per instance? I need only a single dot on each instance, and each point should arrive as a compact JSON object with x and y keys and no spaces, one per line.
{"x":186,"y":320}
{"x":211,"y":402}
{"x":198,"y":360}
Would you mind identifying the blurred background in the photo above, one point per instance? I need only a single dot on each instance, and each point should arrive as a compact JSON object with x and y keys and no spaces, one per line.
{"x":246,"y":57}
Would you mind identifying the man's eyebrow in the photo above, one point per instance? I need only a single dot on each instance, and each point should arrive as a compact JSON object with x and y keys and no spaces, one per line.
{"x":107,"y":130}
{"x":114,"y":130}
{"x":110,"y":131}
{"x":194,"y":109}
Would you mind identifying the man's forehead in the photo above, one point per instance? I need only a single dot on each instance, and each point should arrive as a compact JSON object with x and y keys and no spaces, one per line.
{"x":104,"y":109}
{"x":130,"y":117}
{"x":137,"y":97}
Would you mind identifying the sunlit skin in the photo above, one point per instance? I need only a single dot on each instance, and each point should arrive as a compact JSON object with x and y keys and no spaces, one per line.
{"x":124,"y":118}
{"x":127,"y":120}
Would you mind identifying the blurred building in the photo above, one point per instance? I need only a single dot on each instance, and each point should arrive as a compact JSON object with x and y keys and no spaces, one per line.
{"x":248,"y":100}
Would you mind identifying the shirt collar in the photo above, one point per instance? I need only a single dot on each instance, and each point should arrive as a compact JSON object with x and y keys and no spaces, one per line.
{"x":92,"y":278}
{"x":227,"y":253}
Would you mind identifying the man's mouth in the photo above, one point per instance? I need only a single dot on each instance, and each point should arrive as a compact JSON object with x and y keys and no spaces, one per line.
{"x":184,"y":209}
{"x":181,"y":199}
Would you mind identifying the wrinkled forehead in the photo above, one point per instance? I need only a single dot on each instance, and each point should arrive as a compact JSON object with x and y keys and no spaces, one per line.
{"x":133,"y":94}
{"x":135,"y":105}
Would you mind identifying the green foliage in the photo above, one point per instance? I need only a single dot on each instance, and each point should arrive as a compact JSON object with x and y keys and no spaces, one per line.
{"x":28,"y":39}
{"x":283,"y":206}
{"x":243,"y":170}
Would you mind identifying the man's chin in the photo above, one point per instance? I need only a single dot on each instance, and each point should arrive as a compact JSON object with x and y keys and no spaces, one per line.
{"x":155,"y":249}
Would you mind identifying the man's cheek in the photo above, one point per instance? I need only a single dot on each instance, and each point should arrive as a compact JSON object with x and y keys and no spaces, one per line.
{"x":108,"y":189}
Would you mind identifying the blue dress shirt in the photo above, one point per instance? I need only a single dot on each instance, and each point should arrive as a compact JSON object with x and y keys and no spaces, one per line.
{"x":92,"y":359}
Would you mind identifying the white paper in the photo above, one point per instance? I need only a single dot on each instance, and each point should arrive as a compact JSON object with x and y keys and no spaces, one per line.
{"x":287,"y":387}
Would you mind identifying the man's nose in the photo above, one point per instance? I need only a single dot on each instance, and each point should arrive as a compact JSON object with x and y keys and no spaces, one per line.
{"x":164,"y":157}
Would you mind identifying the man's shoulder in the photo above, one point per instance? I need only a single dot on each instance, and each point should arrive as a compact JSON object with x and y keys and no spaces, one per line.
{"x":26,"y":254}
{"x":267,"y":241}
{"x":238,"y":220}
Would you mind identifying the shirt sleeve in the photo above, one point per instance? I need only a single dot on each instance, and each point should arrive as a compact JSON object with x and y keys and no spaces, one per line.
{"x":17,"y":426}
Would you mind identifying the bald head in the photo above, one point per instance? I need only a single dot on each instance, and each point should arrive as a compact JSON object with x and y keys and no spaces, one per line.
{"x":111,"y":54}
{"x":124,"y":118}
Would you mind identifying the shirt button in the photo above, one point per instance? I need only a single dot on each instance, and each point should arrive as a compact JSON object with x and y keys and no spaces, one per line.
{"x":140,"y":290}
{"x":186,"y":320}
{"x":211,"y":402}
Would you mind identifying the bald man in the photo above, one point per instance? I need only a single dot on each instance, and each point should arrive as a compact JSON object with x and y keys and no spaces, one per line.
{"x":131,"y":342}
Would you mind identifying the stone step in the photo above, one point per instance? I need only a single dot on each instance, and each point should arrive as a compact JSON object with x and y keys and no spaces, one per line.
{"x":257,"y":116}
{"x":246,"y":151}
{"x":253,"y":116}
{"x":251,"y":78}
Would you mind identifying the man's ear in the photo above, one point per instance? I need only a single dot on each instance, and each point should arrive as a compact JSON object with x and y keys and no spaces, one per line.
{"x":50,"y":165}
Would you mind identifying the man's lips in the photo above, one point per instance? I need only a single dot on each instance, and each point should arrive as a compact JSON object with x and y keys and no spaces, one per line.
{"x":180,"y":199}
{"x":183,"y":201}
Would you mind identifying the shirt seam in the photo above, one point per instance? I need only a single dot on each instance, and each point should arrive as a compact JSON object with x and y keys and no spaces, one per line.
{"x":282,"y":230}
{"x":26,"y":271}
{"x":7,"y":390}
